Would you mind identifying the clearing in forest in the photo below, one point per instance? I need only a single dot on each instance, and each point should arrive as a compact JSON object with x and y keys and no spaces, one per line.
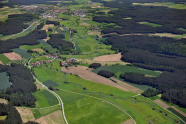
{"x":47,"y":26}
{"x":162,"y":104}
{"x":4,"y":101}
{"x":91,"y":76}
{"x":13,"y":56}
{"x":26,"y":114}
{"x":113,"y":57}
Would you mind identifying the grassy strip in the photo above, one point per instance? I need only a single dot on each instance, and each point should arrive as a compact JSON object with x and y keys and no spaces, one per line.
{"x":4,"y":59}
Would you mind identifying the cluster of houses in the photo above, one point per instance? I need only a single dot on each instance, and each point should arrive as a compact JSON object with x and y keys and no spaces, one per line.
{"x":53,"y":55}
{"x":68,"y":62}
{"x":35,"y":9}
{"x":38,"y":63}
{"x":79,"y":12}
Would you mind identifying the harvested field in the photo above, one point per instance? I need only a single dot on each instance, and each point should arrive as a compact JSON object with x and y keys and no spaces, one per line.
{"x":176,"y":109}
{"x":13,"y":56}
{"x":61,"y":28}
{"x":91,"y":76}
{"x":53,"y":118}
{"x":162,"y":104}
{"x":113,"y":57}
{"x":165,"y":35}
{"x":3,"y":101}
{"x":1,"y":63}
{"x":127,"y":86}
{"x":47,"y":26}
{"x":130,"y":121}
{"x":91,"y":33}
{"x":85,"y":19}
{"x":86,"y":24}
{"x":103,"y":63}
{"x":82,"y":67}
{"x":38,"y":49}
{"x":26,"y":114}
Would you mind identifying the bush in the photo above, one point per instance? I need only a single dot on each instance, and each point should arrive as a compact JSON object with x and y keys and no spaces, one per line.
{"x":105,"y":73}
{"x":94,"y":65}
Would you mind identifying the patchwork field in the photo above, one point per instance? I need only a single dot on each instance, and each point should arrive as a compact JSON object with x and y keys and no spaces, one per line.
{"x":113,"y":57}
{"x":52,"y":118}
{"x":4,"y":81}
{"x":91,"y":76}
{"x":26,"y":114}
{"x":13,"y":56}
{"x":22,"y":52}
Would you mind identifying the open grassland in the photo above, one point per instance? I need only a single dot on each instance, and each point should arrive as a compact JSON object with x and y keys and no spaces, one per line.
{"x":168,"y":4}
{"x":4,"y":81}
{"x":22,"y":52}
{"x":52,"y":118}
{"x":45,"y":99}
{"x":26,"y":114}
{"x":29,"y":47}
{"x":4,"y":59}
{"x":40,"y":58}
{"x":44,"y":111}
{"x":151,"y":24}
{"x":44,"y":74}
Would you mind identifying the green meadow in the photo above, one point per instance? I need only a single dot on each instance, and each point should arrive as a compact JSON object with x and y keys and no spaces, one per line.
{"x":4,"y":59}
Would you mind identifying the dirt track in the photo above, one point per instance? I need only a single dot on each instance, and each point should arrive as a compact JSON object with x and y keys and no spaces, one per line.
{"x":13,"y":56}
{"x":92,"y":77}
{"x":108,"y":58}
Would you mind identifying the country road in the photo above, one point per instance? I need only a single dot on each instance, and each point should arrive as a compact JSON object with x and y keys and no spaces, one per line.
{"x":58,"y":97}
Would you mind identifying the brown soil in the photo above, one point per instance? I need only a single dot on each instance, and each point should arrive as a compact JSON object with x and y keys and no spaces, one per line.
{"x":103,"y":63}
{"x":13,"y":56}
{"x":26,"y":114}
{"x":3,"y":101}
{"x":84,"y":24}
{"x":162,"y":104}
{"x":127,"y":86}
{"x":46,"y":39}
{"x":82,"y":67}
{"x":46,"y":26}
{"x":91,"y":33}
{"x":38,"y":49}
{"x":165,"y":34}
{"x":130,"y":121}
{"x":61,"y":28}
{"x":85,"y":19}
{"x":87,"y":75}
{"x":1,"y":63}
{"x":184,"y":114}
{"x":107,"y":58}
{"x":53,"y":118}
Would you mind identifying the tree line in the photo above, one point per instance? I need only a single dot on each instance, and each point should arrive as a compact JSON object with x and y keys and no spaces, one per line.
{"x":29,"y":39}
{"x":105,"y":73}
{"x":15,"y":23}
{"x":20,"y":92}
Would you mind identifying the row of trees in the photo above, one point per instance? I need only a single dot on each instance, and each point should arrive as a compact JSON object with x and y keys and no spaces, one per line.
{"x":19,"y":93}
{"x":15,"y":23}
{"x":94,"y":65}
{"x":29,"y":39}
{"x":105,"y":73}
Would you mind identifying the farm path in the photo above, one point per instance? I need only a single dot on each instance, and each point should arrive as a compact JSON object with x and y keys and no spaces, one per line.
{"x":134,"y":100}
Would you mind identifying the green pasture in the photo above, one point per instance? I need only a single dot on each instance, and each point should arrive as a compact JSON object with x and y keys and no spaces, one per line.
{"x":3,"y":117}
{"x":43,"y":74}
{"x":40,"y":58}
{"x":177,"y":113}
{"x":50,"y":83}
{"x":45,"y":99}
{"x":4,"y":59}
{"x":44,"y":111}
{"x":91,"y":110}
{"x":4,"y":81}
{"x":43,"y":42}
{"x":107,"y":68}
{"x":29,"y":47}
{"x":56,"y":65}
{"x":22,"y":52}
{"x":151,"y":24}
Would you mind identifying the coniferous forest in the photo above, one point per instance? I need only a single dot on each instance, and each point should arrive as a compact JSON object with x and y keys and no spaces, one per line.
{"x":19,"y":93}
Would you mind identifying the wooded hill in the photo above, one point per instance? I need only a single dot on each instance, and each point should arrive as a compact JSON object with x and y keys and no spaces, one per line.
{"x":29,"y":39}
{"x":19,"y":94}
{"x":15,"y":23}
